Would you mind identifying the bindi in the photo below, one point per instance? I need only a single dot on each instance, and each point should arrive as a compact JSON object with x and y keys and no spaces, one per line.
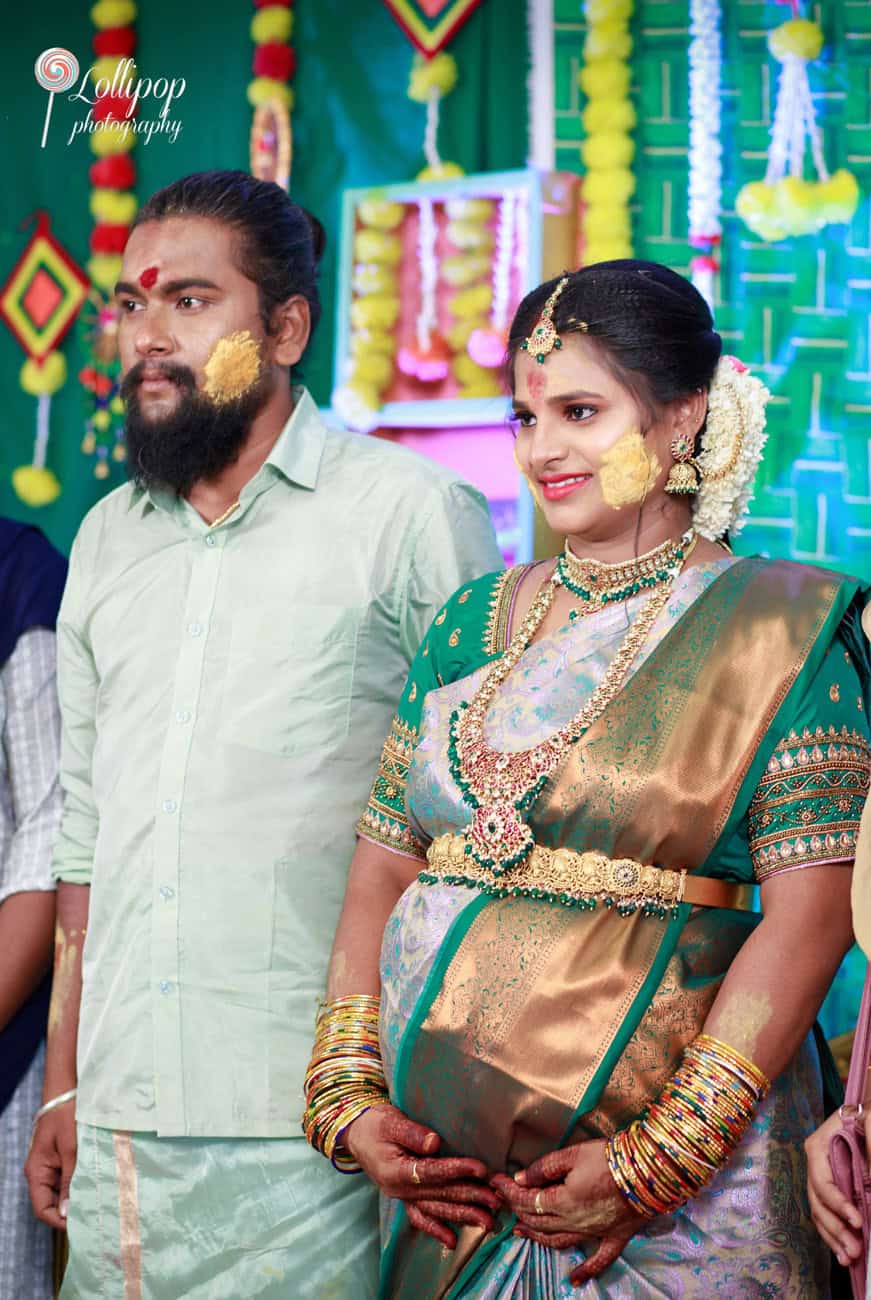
{"x":537,"y":384}
{"x":148,"y":278}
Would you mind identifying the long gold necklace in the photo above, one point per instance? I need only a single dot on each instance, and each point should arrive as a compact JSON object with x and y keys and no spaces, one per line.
{"x":501,"y":788}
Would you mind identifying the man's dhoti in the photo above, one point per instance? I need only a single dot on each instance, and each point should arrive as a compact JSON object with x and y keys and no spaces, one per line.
{"x":216,"y":1219}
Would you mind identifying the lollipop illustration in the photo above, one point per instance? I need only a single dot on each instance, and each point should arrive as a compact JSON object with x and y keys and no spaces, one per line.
{"x":55,"y":70}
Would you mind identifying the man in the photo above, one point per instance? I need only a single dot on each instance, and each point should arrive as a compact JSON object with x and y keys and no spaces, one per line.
{"x":234,"y":636}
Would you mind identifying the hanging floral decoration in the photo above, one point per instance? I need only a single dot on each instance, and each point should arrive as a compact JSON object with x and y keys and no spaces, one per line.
{"x":705,"y":156}
{"x":608,"y":119}
{"x":431,"y":79}
{"x":487,"y":343}
{"x":469,"y":230}
{"x":374,"y":313}
{"x":39,"y":302}
{"x":787,"y":203}
{"x":427,"y":359}
{"x":113,"y":206}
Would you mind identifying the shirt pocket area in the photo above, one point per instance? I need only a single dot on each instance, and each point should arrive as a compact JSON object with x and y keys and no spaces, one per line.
{"x":289,"y":679}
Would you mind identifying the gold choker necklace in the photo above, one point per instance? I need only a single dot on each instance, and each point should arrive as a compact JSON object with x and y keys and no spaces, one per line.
{"x":597,"y":584}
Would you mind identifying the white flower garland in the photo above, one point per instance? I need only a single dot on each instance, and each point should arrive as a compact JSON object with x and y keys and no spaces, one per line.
{"x":705,"y":153}
{"x":732,"y":445}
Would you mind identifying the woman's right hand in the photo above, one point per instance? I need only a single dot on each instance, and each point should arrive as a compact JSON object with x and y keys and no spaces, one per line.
{"x":838,"y":1222}
{"x":400,"y":1158}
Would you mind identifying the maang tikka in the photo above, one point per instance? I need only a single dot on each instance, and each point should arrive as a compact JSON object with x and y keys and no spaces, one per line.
{"x":544,"y":338}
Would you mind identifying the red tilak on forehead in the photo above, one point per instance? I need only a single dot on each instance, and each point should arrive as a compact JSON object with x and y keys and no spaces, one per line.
{"x":148,"y":277}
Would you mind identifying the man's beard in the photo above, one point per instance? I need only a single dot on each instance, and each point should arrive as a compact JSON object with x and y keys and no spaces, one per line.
{"x":195,"y":440}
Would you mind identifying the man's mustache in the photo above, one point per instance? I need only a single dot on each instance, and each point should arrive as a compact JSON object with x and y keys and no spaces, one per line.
{"x":183,"y":376}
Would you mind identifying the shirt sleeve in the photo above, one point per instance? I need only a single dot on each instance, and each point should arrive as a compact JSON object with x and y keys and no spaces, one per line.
{"x":455,"y":544}
{"x":808,"y":805}
{"x":77,"y":688}
{"x":31,"y":741}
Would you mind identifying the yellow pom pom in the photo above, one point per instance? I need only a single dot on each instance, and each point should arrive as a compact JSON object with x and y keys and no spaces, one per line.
{"x":374,"y":313}
{"x":104,"y":69}
{"x":105,"y":270}
{"x":439,"y":73}
{"x":369,"y":277}
{"x":465,"y":268}
{"x":608,"y":149}
{"x":262,"y":89}
{"x":799,"y":36}
{"x":482,"y":388}
{"x":117,"y":137}
{"x":380,"y":213}
{"x":446,"y":171}
{"x":609,"y":115}
{"x":116,"y":206}
{"x":89,"y":443}
{"x":113,"y":13}
{"x":367,"y":394}
{"x":119,"y":452}
{"x":475,"y":301}
{"x":374,"y":368}
{"x":597,"y":11}
{"x":102,"y":420}
{"x":797,"y":203}
{"x":605,"y":250}
{"x":606,"y":221}
{"x":377,"y":246}
{"x":470,"y":235}
{"x":44,"y":380}
{"x":35,"y":487}
{"x":467,"y":371}
{"x":608,"y":40}
{"x":101,"y":469}
{"x":462,"y":330}
{"x":470,"y":209}
{"x":608,"y":185}
{"x":756,"y":205}
{"x":839,"y":196}
{"x":372,"y":340}
{"x":274,"y":23}
{"x":605,"y":79}
{"x":116,"y":406}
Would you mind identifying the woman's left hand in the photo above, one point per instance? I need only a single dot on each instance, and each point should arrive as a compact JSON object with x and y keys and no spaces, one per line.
{"x":569,"y":1197}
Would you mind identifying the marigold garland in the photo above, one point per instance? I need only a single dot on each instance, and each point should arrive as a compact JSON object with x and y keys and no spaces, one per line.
{"x":113,"y":206}
{"x":608,"y":117}
{"x":274,"y":60}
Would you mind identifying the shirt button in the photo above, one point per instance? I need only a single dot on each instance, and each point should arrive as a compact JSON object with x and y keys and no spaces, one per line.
{"x":195,"y":629}
{"x":210,"y":541}
{"x":169,"y":805}
{"x":182,"y":716}
{"x":166,"y":892}
{"x":165,"y":986}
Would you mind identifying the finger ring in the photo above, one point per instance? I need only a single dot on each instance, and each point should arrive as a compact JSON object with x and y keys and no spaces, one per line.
{"x":538,"y":1206}
{"x":415,"y":1176}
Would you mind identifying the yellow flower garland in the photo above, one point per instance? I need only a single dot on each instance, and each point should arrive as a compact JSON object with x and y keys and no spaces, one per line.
{"x":608,"y":118}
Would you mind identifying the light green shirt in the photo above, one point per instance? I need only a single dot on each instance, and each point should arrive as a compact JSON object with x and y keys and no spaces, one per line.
{"x":225,"y":695}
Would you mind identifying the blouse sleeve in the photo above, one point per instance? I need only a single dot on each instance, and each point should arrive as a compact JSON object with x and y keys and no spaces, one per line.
{"x":807,"y":806}
{"x":457,"y":641}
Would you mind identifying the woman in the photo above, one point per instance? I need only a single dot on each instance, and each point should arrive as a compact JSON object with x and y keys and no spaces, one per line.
{"x":32,"y":576}
{"x":596,"y":1064}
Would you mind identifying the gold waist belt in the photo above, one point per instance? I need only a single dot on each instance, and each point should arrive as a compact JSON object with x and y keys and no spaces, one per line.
{"x":583,"y":880}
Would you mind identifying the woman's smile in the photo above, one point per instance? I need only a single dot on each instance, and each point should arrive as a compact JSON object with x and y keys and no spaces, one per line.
{"x":556,"y":486}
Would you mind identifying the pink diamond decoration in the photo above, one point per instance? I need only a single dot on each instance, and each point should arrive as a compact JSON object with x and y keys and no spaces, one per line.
{"x":42,"y":298}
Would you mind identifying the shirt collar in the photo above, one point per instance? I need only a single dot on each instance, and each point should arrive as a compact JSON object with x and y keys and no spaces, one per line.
{"x":296,"y":454}
{"x":300,"y":445}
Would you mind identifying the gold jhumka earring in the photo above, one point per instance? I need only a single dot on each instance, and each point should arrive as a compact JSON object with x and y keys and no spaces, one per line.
{"x":683,"y":477}
{"x":544,"y":338}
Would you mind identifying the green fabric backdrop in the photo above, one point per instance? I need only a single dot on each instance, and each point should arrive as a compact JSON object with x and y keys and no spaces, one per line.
{"x":353,"y":125}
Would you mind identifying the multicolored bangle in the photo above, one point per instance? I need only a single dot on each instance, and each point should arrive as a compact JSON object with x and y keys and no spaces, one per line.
{"x":664,"y":1158}
{"x":345,"y":1077}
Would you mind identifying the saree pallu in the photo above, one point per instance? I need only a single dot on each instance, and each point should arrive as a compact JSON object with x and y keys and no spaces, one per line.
{"x":516,"y":1025}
